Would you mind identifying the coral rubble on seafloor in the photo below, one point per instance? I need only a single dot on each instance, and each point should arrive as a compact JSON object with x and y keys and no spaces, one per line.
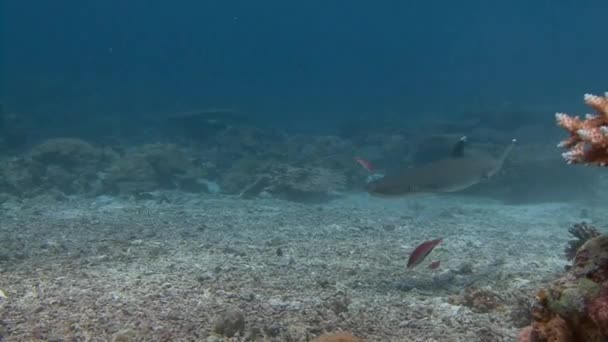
{"x":588,"y":141}
{"x":575,"y":307}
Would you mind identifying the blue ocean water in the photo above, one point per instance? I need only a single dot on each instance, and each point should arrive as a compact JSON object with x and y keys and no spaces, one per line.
{"x":302,"y":65}
{"x":195,"y":170}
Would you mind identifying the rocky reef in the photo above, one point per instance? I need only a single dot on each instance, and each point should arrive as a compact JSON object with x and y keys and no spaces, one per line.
{"x":67,"y":165}
{"x":237,"y":157}
{"x":575,"y":306}
{"x":70,"y":166}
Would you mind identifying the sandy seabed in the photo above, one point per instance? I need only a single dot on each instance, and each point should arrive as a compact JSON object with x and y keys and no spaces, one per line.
{"x":169,"y":269}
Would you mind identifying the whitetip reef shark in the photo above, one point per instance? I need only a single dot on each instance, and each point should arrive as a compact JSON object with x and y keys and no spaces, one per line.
{"x":454,"y":173}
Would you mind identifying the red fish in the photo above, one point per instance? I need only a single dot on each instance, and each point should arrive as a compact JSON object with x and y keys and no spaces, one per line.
{"x":435,"y":264}
{"x":418,"y":255}
{"x":365,"y":163}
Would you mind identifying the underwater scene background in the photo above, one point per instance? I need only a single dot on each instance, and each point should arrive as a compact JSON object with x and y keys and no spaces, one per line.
{"x":334,"y":171}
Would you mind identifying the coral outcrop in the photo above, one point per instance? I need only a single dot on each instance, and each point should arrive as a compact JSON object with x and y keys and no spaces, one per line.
{"x":575,"y":307}
{"x":68,"y":165}
{"x":588,"y":141}
{"x":153,"y":167}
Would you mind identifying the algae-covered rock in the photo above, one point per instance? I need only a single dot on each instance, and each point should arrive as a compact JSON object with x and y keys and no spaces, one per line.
{"x":575,"y":307}
{"x":591,"y":260}
{"x":570,"y":298}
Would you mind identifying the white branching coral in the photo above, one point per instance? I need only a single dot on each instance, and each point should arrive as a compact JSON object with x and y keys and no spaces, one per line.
{"x":588,"y":141}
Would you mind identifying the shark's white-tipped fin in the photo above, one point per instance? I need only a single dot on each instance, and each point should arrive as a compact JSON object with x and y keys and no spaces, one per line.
{"x":458,"y":149}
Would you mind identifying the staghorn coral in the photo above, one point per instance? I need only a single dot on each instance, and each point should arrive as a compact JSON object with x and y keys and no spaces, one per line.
{"x":588,"y":141}
{"x":581,"y":232}
{"x":575,"y":307}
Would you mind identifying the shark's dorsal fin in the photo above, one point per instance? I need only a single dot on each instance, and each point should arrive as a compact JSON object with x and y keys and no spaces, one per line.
{"x":458,"y":149}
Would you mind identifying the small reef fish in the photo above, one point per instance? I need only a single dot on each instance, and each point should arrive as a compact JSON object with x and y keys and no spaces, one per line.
{"x":455,"y":173}
{"x":420,"y":253}
{"x":365,"y":163}
{"x":2,"y":295}
{"x":435,"y":264}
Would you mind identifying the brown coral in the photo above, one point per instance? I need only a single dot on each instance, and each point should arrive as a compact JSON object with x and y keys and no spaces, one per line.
{"x":337,"y":337}
{"x":575,"y":306}
{"x":588,"y":141}
{"x":525,"y":335}
{"x":598,"y":311}
{"x":555,"y":330}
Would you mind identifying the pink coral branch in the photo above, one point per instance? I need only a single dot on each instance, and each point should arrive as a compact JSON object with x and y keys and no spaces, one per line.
{"x":588,"y":141}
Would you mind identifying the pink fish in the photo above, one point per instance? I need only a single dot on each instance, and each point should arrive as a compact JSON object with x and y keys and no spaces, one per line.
{"x":435,"y":264}
{"x":365,"y":163}
{"x":418,"y":255}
